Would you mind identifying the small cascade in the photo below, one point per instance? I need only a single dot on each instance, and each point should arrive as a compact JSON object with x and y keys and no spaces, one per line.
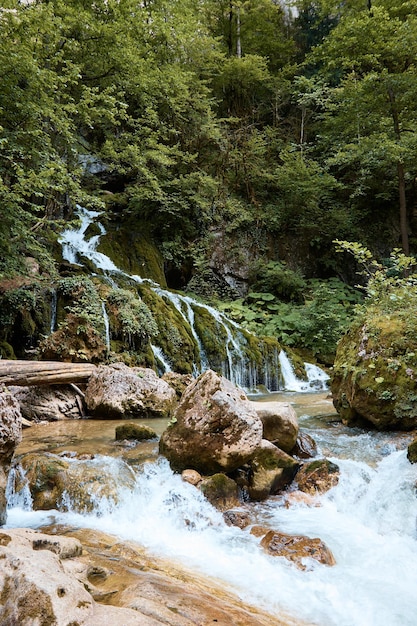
{"x":161,"y":360}
{"x":316,"y":377}
{"x":106,"y":325}
{"x":54,"y":302}
{"x":17,"y":490}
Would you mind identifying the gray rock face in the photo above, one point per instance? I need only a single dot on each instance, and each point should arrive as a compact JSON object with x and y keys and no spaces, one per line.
{"x":48,"y":402}
{"x":216,"y":428}
{"x":10,"y":436}
{"x":280,"y":423}
{"x":117,"y":391}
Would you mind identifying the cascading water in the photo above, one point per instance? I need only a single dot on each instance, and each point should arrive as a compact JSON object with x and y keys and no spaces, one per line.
{"x":316,"y":377}
{"x":237,"y":366}
{"x":368,"y":521}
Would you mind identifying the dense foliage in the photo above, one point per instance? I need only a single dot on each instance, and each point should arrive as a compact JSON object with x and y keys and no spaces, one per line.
{"x":279,"y":129}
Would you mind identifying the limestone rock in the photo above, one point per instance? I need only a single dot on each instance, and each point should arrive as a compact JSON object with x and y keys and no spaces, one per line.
{"x":83,"y":482}
{"x":117,"y":391}
{"x":317,"y":476}
{"x":296,"y":548}
{"x":34,"y":586}
{"x":49,"y":402}
{"x":374,"y":381}
{"x":271,"y":470}
{"x":280,"y":423}
{"x":10,"y":436}
{"x":237,"y":517}
{"x":137,"y":432}
{"x":192,"y":477}
{"x":221,"y":491}
{"x":215,"y":428}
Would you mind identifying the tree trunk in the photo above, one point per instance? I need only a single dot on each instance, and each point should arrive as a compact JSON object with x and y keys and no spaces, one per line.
{"x":401,"y":176}
{"x":43,"y":372}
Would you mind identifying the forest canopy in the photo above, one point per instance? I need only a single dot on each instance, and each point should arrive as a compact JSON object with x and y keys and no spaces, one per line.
{"x":285,"y":125}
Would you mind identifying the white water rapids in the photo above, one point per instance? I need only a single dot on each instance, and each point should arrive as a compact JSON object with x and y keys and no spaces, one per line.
{"x":368,"y":521}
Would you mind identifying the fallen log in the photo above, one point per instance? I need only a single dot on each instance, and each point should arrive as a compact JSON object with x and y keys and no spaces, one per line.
{"x":43,"y":372}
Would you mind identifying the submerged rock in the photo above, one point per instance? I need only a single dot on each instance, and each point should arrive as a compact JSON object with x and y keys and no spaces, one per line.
{"x":295,"y":548}
{"x":138,"y":432}
{"x":10,"y":436}
{"x":215,"y":428}
{"x":280,"y":423}
{"x":117,"y":391}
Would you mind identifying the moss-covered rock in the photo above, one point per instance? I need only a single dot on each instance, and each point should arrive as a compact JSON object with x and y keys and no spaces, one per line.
{"x":221,"y":491}
{"x":412,"y":452}
{"x":374,"y":380}
{"x":136,"y":432}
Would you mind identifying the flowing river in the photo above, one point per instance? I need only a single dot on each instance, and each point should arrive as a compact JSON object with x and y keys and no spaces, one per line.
{"x":368,"y":520}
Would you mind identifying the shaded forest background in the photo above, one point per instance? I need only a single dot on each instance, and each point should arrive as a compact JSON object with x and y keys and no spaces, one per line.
{"x":241,"y":138}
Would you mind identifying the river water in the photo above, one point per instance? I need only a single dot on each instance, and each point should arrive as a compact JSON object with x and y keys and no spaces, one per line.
{"x":368,"y":520}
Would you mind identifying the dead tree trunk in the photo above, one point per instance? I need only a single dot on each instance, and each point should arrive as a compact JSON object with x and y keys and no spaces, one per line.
{"x":43,"y":372}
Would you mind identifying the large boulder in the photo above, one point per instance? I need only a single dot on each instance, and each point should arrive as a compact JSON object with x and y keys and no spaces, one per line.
{"x":280,"y":423}
{"x":117,"y":391}
{"x":271,"y":470}
{"x":10,"y":436}
{"x":53,"y":480}
{"x":374,"y":378}
{"x":215,"y":428}
{"x":49,"y":402}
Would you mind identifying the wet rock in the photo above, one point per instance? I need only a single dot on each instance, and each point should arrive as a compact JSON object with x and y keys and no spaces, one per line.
{"x":221,"y":491}
{"x":412,"y":452}
{"x":317,"y":476}
{"x":280,"y":423}
{"x":305,"y":446}
{"x":137,"y":432}
{"x":215,"y":428}
{"x":49,"y":402}
{"x":237,"y":517}
{"x":117,"y":391}
{"x":192,"y":477}
{"x":10,"y":436}
{"x":271,"y":470}
{"x":53,"y":480}
{"x":295,"y":548}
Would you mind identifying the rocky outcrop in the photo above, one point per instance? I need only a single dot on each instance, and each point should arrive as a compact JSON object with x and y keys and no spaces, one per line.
{"x":10,"y":436}
{"x":374,"y":381}
{"x":49,"y":402}
{"x":117,"y":391}
{"x":271,"y":470}
{"x":215,"y":428}
{"x":280,"y":423}
{"x":295,"y":548}
{"x":179,"y":382}
{"x":93,"y":579}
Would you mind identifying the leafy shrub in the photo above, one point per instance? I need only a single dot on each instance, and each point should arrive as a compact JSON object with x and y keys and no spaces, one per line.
{"x":136,"y":323}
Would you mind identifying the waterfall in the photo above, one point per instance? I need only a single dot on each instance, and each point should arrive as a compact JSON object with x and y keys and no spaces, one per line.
{"x":54,"y":302}
{"x":106,"y":325}
{"x":161,"y":359}
{"x":316,"y":377}
{"x":237,"y":366}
